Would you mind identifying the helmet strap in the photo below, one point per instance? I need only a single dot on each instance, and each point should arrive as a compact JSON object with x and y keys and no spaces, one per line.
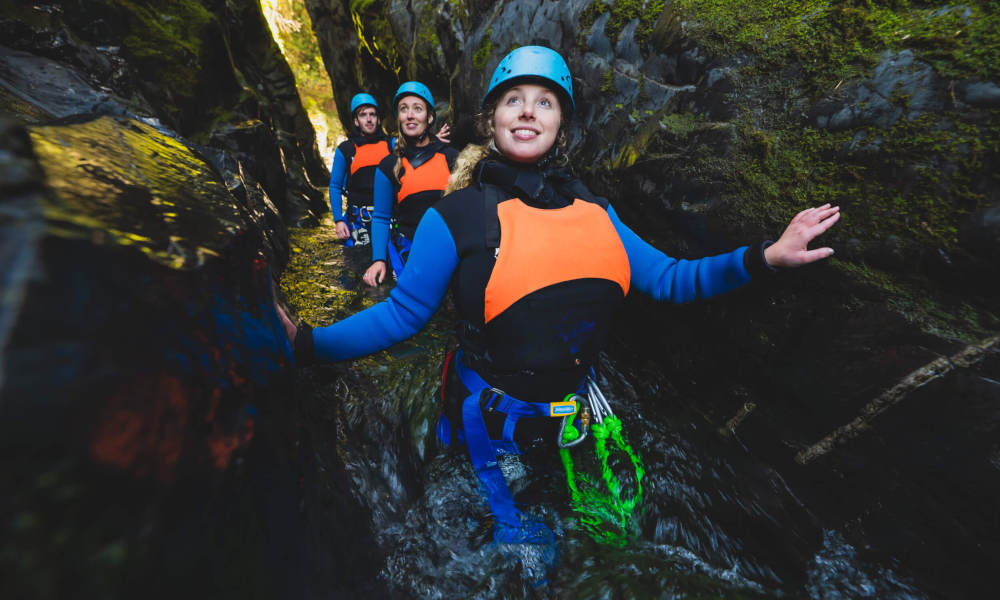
{"x":416,"y":140}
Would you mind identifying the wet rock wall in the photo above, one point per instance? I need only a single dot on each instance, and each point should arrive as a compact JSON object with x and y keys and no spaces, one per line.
{"x":151,"y":157}
{"x":209,"y":71}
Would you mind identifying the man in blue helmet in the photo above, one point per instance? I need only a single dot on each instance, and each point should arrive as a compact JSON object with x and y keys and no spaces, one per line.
{"x":353,"y":171}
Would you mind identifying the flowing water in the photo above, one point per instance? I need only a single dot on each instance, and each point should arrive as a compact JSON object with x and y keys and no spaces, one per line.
{"x":713,"y":521}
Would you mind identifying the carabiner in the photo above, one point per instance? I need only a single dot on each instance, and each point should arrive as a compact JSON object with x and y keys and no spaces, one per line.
{"x":584,"y":428}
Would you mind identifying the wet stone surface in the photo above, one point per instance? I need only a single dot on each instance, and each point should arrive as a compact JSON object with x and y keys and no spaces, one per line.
{"x":143,"y":373}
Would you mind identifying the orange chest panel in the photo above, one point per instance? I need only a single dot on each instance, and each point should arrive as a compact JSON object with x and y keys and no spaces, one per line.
{"x":539,"y":248}
{"x":369,"y":155}
{"x":430,"y":176}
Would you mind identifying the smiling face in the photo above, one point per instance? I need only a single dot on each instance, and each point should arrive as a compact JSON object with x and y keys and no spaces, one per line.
{"x":366,"y":120}
{"x":526,"y":122}
{"x":413,"y":116}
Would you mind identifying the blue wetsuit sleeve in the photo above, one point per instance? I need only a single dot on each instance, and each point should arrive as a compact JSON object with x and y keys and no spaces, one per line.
{"x":383,"y":193}
{"x":338,"y":181}
{"x":410,"y":305}
{"x":665,"y":278}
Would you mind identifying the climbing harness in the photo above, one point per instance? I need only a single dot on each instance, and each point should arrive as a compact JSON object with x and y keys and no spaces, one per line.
{"x":511,"y":525}
{"x":359,"y":222}
{"x":606,"y":515}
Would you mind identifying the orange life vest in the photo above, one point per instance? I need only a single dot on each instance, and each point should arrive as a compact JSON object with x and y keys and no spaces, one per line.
{"x":543,"y":247}
{"x":431,"y":176}
{"x":369,"y":155}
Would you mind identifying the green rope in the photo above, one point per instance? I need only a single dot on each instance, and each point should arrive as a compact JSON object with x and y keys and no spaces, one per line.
{"x":604,"y":514}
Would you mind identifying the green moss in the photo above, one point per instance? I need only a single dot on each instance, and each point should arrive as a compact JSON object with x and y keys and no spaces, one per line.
{"x":622,"y":13}
{"x":920,"y":178}
{"x":460,"y":11}
{"x":651,"y":12}
{"x":834,"y":41}
{"x":426,"y":34}
{"x":310,"y":280}
{"x":589,"y":15}
{"x":932,"y":311}
{"x":480,"y":56}
{"x":915,"y":182}
{"x":608,"y":82}
{"x":165,"y":40}
{"x":680,"y":124}
{"x":375,"y":36}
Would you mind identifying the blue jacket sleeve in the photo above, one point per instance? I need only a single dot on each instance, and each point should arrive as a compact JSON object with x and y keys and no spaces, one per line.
{"x":410,"y":305}
{"x":384,"y":193}
{"x":338,"y":181}
{"x":665,"y":278}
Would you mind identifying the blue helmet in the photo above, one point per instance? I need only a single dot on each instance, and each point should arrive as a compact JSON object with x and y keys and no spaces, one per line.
{"x":362,"y":99}
{"x":414,"y":88}
{"x":538,"y":63}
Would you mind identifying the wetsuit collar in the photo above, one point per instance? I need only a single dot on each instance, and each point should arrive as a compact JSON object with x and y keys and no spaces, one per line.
{"x":418,"y":155}
{"x":361,"y":139}
{"x":532,"y":184}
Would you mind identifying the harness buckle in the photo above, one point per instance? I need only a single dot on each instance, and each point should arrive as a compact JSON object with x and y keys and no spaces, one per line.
{"x":490,"y":397}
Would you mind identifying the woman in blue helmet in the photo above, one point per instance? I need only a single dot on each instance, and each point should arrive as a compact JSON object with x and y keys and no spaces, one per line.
{"x":407,"y":181}
{"x":353,"y":171}
{"x":537,"y":265}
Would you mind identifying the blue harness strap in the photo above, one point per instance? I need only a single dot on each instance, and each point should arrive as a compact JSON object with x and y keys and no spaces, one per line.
{"x":399,"y":250}
{"x":359,"y":220}
{"x":483,"y":450}
{"x":484,"y":460}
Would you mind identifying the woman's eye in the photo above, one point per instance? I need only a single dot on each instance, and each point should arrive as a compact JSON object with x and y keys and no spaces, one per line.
{"x":513,"y":100}
{"x":545,"y":102}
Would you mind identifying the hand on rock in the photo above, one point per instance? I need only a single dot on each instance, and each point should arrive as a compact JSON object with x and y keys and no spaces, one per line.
{"x":290,"y":329}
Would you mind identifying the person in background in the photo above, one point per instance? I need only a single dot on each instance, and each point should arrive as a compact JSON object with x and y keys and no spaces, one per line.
{"x":353,"y":172}
{"x":408,"y":181}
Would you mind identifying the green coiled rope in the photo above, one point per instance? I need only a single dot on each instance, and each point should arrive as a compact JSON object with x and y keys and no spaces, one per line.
{"x":604,"y":514}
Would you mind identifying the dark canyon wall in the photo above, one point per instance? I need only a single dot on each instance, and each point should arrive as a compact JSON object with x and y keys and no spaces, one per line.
{"x":151,"y":156}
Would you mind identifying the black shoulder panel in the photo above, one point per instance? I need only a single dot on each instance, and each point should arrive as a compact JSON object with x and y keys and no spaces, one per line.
{"x":462,"y":212}
{"x":575,"y":188}
{"x":387,"y":164}
{"x":347,"y":149}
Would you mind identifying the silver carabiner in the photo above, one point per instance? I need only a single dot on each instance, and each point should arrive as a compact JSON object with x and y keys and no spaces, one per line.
{"x":584,"y":428}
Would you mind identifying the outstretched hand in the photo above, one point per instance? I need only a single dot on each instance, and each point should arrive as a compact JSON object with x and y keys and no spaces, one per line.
{"x":792,"y":248}
{"x":375,"y":273}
